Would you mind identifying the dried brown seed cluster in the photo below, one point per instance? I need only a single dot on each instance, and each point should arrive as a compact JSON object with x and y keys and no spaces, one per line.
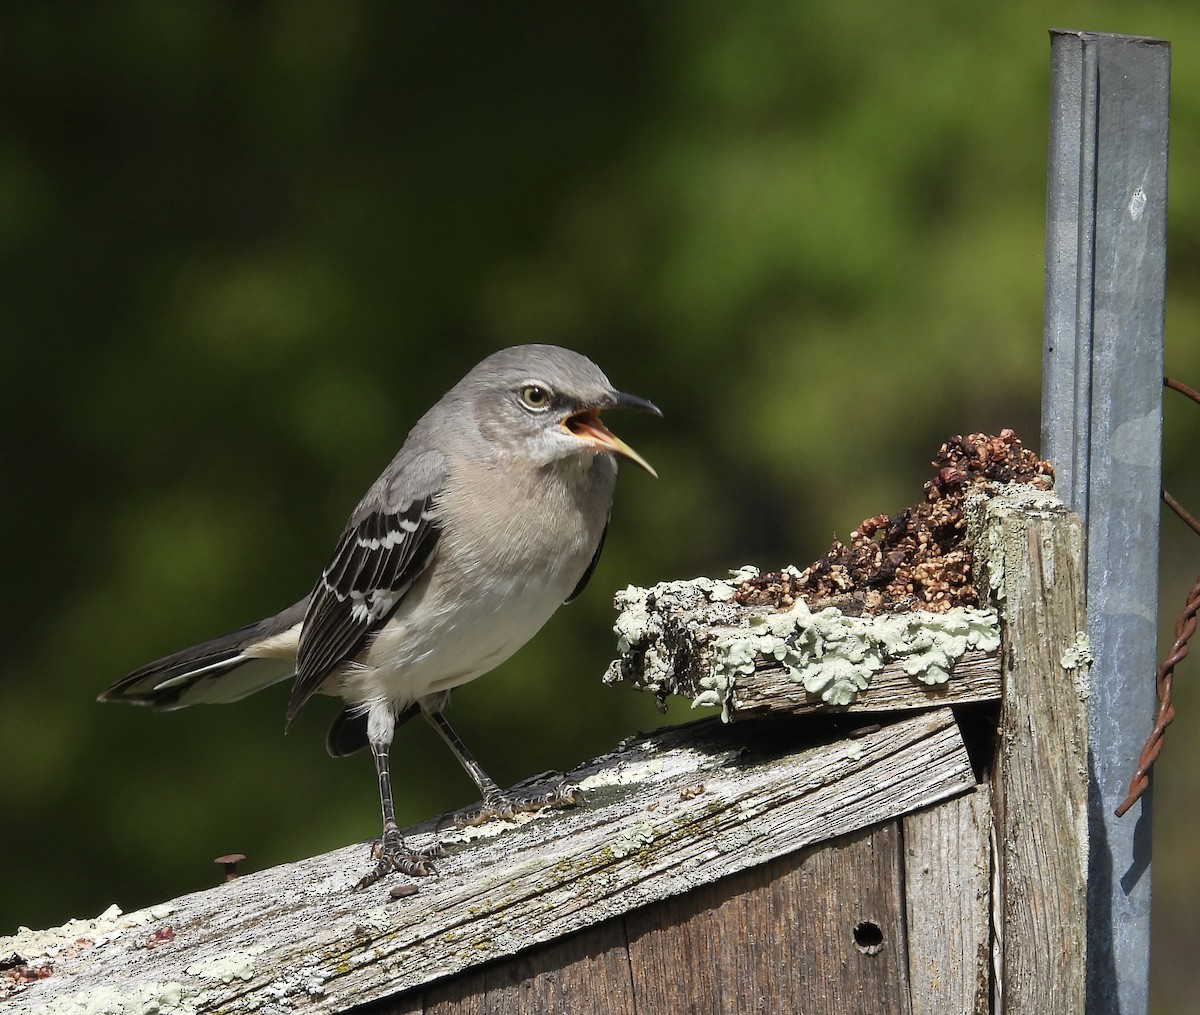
{"x":919,"y":557}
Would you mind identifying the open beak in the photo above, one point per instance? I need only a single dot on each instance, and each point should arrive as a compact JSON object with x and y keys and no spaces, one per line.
{"x":587,"y":426}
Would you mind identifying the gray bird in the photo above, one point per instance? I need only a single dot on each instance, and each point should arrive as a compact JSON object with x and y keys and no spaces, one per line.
{"x":491,"y":515}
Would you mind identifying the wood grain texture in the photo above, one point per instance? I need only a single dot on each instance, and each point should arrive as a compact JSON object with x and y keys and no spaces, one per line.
{"x":947,"y":889}
{"x":465,"y":994}
{"x":776,"y":938}
{"x":666,"y":814}
{"x":414,"y":1003}
{"x":781,"y":938}
{"x":1031,"y":552}
{"x":768,"y":691}
{"x":582,"y":974}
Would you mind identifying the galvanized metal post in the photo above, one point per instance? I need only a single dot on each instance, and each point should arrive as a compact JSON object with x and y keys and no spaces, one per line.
{"x":1102,"y":428}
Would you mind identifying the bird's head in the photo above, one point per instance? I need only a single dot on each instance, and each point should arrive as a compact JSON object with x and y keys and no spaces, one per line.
{"x":544,"y":402}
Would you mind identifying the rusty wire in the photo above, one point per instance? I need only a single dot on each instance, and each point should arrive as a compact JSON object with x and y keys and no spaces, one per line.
{"x":1185,"y":627}
{"x":1182,"y":388}
{"x":1181,"y":511}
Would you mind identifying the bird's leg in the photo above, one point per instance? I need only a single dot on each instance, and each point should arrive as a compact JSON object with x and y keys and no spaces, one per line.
{"x":496,"y":803}
{"x":390,"y":852}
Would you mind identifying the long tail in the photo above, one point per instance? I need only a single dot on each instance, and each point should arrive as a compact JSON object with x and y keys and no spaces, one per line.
{"x":221,"y":670}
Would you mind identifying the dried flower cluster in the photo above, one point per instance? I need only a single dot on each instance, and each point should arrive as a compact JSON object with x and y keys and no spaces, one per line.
{"x":918,"y":558}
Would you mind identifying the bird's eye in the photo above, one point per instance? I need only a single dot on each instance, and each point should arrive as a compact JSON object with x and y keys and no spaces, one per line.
{"x":535,"y":397}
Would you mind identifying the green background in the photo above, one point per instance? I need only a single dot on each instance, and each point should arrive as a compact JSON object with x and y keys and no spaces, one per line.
{"x":245,"y":246}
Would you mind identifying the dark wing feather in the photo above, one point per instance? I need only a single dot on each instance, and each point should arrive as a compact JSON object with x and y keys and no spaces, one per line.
{"x":222,"y":669}
{"x":587,"y":575}
{"x":376,"y":561}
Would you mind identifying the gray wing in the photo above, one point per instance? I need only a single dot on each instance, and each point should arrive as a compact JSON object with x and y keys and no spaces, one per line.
{"x":388,"y":543}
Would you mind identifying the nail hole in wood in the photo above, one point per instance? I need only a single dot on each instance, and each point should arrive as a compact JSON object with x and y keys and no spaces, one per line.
{"x":868,"y":938}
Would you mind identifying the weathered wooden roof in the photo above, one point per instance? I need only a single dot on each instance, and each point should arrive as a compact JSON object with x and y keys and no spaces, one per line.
{"x":665,"y":813}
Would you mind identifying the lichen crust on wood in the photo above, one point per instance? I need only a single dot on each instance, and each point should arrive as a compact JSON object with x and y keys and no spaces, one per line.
{"x":693,"y":638}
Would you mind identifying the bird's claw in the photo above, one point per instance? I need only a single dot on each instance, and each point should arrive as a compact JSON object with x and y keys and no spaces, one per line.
{"x":391,"y":855}
{"x":501,"y":806}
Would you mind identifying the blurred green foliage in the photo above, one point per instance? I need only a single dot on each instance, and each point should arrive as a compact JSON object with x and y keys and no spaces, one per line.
{"x":245,"y":246}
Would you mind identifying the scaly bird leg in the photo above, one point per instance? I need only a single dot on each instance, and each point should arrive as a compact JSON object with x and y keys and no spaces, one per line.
{"x":496,"y":803}
{"x":390,"y":852}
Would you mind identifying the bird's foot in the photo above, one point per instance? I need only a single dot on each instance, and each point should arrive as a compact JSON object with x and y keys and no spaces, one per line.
{"x":391,"y":855}
{"x":504,"y":807}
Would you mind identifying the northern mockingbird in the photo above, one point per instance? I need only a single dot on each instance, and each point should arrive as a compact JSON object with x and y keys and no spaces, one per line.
{"x":491,"y":515}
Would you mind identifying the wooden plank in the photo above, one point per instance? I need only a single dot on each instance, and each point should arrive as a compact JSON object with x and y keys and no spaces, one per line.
{"x":713,"y":949}
{"x":465,"y":994}
{"x":693,"y":639}
{"x":768,"y":691}
{"x":667,"y":813}
{"x":782,"y":937}
{"x":779,"y":937}
{"x":947,"y":891}
{"x":412,"y":1003}
{"x":1029,"y":549}
{"x":584,"y":974}
{"x":862,"y":968}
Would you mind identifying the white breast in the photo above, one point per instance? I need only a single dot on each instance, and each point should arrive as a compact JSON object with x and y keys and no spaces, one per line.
{"x":489,"y":589}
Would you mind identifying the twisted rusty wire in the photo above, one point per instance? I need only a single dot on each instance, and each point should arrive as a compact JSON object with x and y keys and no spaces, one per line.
{"x":1185,"y":627}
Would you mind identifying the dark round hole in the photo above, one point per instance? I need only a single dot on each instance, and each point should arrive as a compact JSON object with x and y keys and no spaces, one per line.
{"x":868,"y":937}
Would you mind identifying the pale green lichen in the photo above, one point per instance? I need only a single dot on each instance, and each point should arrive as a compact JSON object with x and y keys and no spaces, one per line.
{"x":1079,"y":655}
{"x":721,"y":592}
{"x":743,"y":574}
{"x":698,"y":627}
{"x":76,"y":934}
{"x":833,"y":656}
{"x":168,"y":998}
{"x":650,"y":623}
{"x":308,"y":981}
{"x":934,"y":642}
{"x":624,"y":775}
{"x":632,"y":618}
{"x":635,"y":610}
{"x":226,"y":968}
{"x":633,"y":839}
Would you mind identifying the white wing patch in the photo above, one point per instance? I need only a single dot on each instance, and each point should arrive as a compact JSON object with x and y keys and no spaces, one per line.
{"x":368,"y":607}
{"x":376,"y":562}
